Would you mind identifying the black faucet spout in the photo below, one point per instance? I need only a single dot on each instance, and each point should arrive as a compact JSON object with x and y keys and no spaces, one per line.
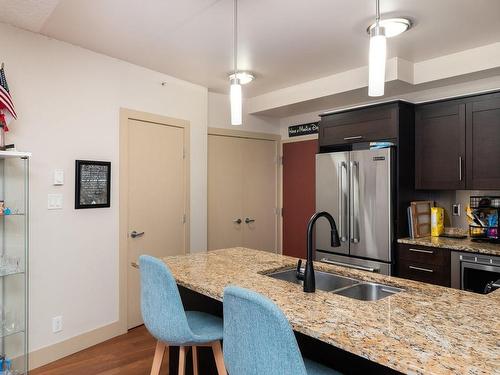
{"x":309,"y":280}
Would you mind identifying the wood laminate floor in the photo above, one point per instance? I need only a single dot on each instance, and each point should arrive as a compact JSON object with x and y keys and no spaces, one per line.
{"x":128,"y":354}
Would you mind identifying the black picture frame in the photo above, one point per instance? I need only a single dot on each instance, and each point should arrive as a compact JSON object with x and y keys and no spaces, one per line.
{"x":92,"y":184}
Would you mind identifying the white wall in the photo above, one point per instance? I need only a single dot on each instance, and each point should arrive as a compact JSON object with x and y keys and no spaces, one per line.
{"x":219,"y":116}
{"x":68,"y":101}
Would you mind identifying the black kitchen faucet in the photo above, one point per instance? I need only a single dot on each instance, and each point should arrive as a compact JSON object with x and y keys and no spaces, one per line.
{"x":309,"y":280}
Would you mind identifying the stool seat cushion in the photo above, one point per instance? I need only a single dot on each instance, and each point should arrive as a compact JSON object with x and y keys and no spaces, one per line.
{"x":314,"y":368}
{"x":205,"y":327}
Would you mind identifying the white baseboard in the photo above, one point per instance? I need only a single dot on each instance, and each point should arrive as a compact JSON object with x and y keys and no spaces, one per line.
{"x":70,"y":346}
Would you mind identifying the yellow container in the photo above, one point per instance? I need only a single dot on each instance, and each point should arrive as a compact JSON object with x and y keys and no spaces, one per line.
{"x":437,"y":221}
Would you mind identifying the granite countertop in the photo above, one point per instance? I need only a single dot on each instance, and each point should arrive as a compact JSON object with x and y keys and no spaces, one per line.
{"x":465,"y":244}
{"x":425,"y":329}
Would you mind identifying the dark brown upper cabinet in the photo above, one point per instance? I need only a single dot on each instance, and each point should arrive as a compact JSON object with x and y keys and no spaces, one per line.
{"x":361,"y":125}
{"x":483,"y":144}
{"x":457,"y":144}
{"x":440,"y":146}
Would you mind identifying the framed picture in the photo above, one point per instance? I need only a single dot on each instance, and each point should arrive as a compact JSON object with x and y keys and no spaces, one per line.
{"x":92,"y":184}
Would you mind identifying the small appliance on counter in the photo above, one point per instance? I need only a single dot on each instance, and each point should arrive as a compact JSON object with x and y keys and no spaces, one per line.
{"x":483,"y":218}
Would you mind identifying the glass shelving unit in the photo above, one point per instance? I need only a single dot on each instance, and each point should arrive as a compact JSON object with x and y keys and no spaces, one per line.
{"x":14,"y":232}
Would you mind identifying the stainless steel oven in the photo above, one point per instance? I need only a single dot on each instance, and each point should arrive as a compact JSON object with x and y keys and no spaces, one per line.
{"x":475,"y":272}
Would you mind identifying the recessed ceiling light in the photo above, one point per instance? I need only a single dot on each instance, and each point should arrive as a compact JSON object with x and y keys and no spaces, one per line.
{"x":243,"y":77}
{"x":392,"y":26}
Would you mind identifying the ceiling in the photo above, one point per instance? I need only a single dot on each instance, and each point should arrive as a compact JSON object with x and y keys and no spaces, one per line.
{"x":284,"y":42}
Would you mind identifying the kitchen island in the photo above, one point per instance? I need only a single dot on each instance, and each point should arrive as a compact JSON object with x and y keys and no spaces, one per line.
{"x":425,"y":329}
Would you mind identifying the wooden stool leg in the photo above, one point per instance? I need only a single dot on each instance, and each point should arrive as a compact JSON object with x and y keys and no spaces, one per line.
{"x":219,"y":358}
{"x":195,"y":360}
{"x":158,"y":358}
{"x":182,"y":360}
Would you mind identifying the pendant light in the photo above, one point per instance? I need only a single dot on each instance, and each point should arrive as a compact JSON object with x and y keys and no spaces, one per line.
{"x":235,"y":92}
{"x":377,"y":58}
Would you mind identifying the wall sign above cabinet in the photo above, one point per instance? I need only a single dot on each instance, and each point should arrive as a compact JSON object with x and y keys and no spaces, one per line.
{"x":303,"y":129}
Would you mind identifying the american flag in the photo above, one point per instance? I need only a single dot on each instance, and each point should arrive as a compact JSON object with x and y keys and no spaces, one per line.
{"x":7,"y":110}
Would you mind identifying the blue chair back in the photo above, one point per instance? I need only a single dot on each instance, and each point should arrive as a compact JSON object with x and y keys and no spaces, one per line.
{"x":161,"y":304}
{"x":258,"y":339}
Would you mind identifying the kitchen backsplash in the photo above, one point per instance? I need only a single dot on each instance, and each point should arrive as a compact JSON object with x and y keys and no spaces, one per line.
{"x":446,"y":199}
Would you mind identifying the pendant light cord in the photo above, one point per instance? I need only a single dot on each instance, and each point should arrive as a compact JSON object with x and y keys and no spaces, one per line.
{"x":235,"y":36}
{"x":377,"y":11}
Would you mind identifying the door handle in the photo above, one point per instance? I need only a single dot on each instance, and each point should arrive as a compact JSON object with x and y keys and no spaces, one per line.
{"x":134,"y":264}
{"x":237,"y":221}
{"x":248,"y":220}
{"x":351,"y":138}
{"x":135,"y":234}
{"x":349,"y":265}
{"x":342,"y":200}
{"x":354,"y":201}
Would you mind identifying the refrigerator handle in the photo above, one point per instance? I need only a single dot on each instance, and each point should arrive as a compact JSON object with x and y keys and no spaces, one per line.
{"x":354,"y":183}
{"x":342,"y":202}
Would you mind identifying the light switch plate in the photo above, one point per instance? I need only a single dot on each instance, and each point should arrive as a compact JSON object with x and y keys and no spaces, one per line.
{"x":455,"y":209}
{"x":55,"y":201}
{"x":59,"y":177}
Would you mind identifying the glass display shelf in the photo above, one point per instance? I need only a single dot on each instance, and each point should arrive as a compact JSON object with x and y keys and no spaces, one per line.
{"x":14,"y":259}
{"x":13,"y":333}
{"x":11,"y":273}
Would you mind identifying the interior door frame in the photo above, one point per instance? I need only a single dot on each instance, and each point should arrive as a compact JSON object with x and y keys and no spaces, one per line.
{"x":301,"y":138}
{"x":276,"y":138}
{"x":125,"y":116}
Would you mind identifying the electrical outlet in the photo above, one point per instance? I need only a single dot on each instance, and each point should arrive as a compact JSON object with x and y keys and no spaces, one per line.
{"x":57,"y":324}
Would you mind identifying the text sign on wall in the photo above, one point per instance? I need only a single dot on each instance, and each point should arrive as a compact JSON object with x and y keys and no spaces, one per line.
{"x":303,"y":129}
{"x":92,"y":187}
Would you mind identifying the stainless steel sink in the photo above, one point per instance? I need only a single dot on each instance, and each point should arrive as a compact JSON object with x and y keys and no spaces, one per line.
{"x":341,"y":285}
{"x":324,"y":280}
{"x":368,"y":291}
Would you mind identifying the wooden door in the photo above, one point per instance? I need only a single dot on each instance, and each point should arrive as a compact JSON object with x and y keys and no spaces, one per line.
{"x":483,"y":144}
{"x":299,"y":163}
{"x":225,"y":192}
{"x":440,"y":146}
{"x":156,"y":200}
{"x":242,"y":193}
{"x":260,"y":161}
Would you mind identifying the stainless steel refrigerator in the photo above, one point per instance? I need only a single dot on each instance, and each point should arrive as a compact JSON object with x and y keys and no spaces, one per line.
{"x":356,"y":188}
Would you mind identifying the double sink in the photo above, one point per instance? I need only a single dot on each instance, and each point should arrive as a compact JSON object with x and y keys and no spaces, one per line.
{"x":341,"y":285}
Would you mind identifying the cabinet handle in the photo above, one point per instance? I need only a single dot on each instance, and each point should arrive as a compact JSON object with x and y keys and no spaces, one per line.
{"x":460,"y":168}
{"x":421,"y":269}
{"x":248,"y":220}
{"x":355,"y":137}
{"x":422,"y":251}
{"x":237,"y":221}
{"x":134,"y":264}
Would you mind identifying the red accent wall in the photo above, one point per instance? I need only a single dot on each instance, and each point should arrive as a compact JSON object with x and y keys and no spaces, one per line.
{"x":299,"y":197}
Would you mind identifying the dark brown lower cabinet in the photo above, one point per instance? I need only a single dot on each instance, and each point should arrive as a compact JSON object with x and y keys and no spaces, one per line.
{"x":426,"y":264}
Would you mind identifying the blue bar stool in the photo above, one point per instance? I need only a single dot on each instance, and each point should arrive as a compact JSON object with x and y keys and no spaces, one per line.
{"x":258,"y":339}
{"x":166,"y":320}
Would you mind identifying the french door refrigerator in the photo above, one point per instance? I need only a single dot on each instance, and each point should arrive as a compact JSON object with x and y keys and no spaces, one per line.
{"x":356,"y":188}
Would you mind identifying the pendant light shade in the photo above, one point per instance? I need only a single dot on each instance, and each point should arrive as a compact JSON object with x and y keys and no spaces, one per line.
{"x":236,"y":102}
{"x":235,"y":92}
{"x":377,"y":59}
